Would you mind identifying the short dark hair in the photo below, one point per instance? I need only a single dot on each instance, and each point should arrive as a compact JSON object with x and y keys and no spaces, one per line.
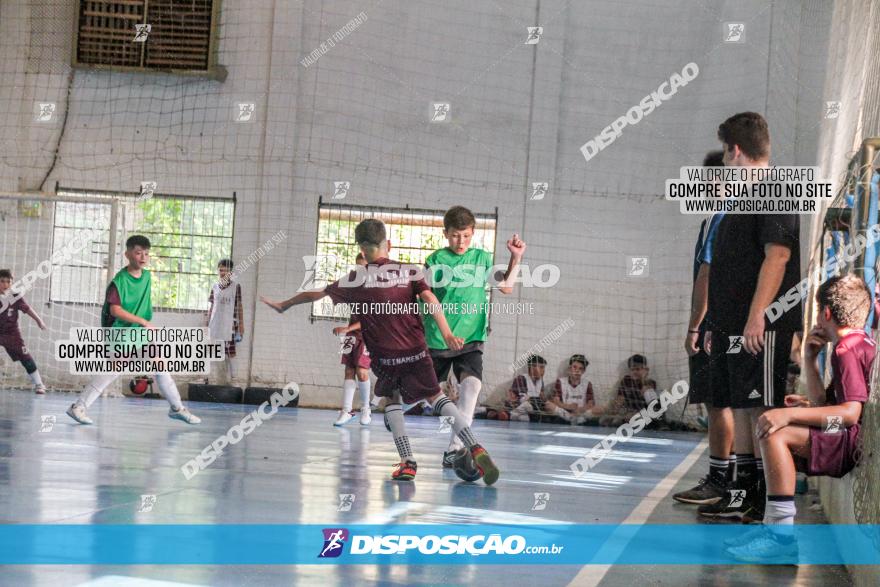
{"x":5,"y":274}
{"x":714,"y":159}
{"x":370,"y":232}
{"x":848,"y":298}
{"x":749,"y":131}
{"x":137,"y":240}
{"x":360,"y":257}
{"x":459,"y":218}
{"x":226,"y":263}
{"x":637,"y":360}
{"x":579,"y":359}
{"x":535,"y":360}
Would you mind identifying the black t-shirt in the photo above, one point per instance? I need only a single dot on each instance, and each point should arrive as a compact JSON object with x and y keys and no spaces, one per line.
{"x":736,"y":262}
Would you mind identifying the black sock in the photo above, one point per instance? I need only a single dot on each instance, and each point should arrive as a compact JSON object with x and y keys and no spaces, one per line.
{"x":746,"y":470}
{"x":718,"y":469}
{"x":731,"y":469}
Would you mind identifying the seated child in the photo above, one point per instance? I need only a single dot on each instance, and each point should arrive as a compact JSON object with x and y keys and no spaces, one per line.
{"x":819,"y":436}
{"x":634,"y":392}
{"x":572,"y":399}
{"x":525,"y":397}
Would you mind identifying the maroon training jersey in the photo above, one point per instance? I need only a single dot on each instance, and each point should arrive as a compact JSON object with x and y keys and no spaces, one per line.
{"x":835,"y":452}
{"x":388,"y":332}
{"x":9,"y":317}
{"x":851,"y":365}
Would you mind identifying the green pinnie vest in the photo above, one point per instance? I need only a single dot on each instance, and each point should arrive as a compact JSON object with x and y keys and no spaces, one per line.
{"x":134,"y":292}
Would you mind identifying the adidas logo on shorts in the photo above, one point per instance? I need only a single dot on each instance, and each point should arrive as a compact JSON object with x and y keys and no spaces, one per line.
{"x":754,"y":394}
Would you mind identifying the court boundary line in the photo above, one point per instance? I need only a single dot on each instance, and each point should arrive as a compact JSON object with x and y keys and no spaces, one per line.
{"x":592,"y":575}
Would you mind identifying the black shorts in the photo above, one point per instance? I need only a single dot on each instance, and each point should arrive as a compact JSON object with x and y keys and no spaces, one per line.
{"x":741,"y":380}
{"x":700,"y":376}
{"x":469,"y":363}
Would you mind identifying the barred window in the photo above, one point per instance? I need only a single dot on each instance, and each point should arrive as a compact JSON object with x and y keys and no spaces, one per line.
{"x":414,"y":234}
{"x":189,"y":235}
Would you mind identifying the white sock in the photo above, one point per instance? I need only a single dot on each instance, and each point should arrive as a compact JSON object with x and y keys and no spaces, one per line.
{"x":444,"y":407}
{"x":35,"y":377}
{"x":364,"y":389}
{"x":468,"y":395}
{"x":779,"y":510}
{"x":230,"y":370}
{"x":348,"y":387}
{"x":96,"y":387}
{"x":562,"y":413}
{"x":168,"y":389}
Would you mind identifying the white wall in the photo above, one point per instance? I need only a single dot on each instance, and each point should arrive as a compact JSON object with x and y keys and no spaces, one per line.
{"x":519,"y":114}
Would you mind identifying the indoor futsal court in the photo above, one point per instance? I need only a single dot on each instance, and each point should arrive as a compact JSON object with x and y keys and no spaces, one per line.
{"x":332,"y":292}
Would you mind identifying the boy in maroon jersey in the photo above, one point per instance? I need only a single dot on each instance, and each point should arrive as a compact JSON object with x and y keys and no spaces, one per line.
{"x":387,"y":303}
{"x":356,"y":359}
{"x":820,"y":440}
{"x":10,"y":334}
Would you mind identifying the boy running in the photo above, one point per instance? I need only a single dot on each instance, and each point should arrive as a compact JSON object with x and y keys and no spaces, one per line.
{"x":396,"y":341}
{"x":128,"y":305}
{"x":10,"y":334}
{"x":466,"y":270}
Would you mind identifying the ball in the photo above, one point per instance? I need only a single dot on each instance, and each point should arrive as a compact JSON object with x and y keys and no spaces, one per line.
{"x":139,"y":385}
{"x":464,"y":466}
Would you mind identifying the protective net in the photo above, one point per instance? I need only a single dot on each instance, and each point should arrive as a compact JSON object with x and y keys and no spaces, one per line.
{"x":289,"y":102}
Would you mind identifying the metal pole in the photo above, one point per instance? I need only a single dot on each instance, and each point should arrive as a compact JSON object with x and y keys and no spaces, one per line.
{"x":114,"y":226}
{"x":865,"y":172}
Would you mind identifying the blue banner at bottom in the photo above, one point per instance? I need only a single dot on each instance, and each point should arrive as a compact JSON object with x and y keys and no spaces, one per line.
{"x":569,"y":544}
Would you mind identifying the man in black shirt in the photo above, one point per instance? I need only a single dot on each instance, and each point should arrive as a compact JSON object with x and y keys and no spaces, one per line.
{"x":756,"y":259}
{"x":713,"y":487}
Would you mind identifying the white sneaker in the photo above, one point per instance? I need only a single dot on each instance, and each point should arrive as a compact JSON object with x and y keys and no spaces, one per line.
{"x":366,"y":418}
{"x":344,"y":418}
{"x":78,"y":412}
{"x":520,"y":417}
{"x":40,"y":389}
{"x":184,"y":415}
{"x":374,"y":403}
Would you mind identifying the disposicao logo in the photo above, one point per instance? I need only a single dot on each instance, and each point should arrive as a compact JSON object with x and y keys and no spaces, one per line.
{"x":334,"y":540}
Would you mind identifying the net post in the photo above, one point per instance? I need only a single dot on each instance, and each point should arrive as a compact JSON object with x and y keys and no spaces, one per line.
{"x":114,"y":225}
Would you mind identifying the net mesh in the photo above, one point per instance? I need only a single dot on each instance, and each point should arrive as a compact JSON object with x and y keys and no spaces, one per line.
{"x":852,"y":71}
{"x":280,"y":132}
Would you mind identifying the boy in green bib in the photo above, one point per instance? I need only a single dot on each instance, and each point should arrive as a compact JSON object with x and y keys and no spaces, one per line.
{"x":460,"y":279}
{"x":127,"y":305}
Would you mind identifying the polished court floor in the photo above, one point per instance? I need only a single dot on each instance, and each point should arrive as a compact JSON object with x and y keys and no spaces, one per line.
{"x":293,"y":468}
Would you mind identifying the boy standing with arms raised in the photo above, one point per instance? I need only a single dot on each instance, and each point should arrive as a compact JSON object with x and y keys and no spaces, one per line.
{"x":466,"y":270}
